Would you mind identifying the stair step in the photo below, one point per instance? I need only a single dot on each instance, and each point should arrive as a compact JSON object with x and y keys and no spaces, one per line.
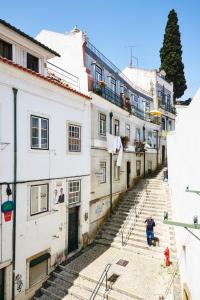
{"x":50,"y":294}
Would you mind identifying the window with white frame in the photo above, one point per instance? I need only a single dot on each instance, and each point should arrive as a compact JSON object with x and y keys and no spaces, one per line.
{"x":39,"y":199}
{"x":98,"y":73}
{"x":116,"y":171}
{"x":103,"y":171}
{"x":149,"y":138}
{"x":74,"y":132}
{"x":5,"y":49}
{"x":74,"y":191}
{"x":128,"y":131}
{"x":102,"y":124}
{"x":32,"y":62}
{"x":149,"y":165}
{"x":39,"y":133}
{"x":113,"y":84}
{"x":138,"y":167}
{"x":137,"y":134}
{"x":116,"y":127}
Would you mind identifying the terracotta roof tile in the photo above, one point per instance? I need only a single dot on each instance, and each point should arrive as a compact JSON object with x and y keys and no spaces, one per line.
{"x":50,"y":80}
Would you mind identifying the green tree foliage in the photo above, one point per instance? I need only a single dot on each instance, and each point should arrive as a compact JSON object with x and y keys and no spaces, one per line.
{"x":171,"y":55}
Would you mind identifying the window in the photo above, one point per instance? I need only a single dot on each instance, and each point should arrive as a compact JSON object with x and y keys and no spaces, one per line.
{"x":149,"y":166}
{"x":74,"y":193}
{"x":116,"y":127}
{"x":170,"y":125}
{"x":163,"y":124}
{"x":38,"y":269}
{"x":74,"y":138}
{"x":138,"y":167}
{"x":137,"y":135}
{"x":39,"y":199}
{"x":102,"y":124}
{"x":116,"y":171}
{"x":127,"y":131}
{"x":5,"y":49}
{"x":149,"y":138}
{"x":103,"y":171}
{"x":32,"y":62}
{"x":136,"y":101}
{"x":113,"y":84}
{"x":98,"y":73}
{"x":39,"y":133}
{"x":147,"y":106}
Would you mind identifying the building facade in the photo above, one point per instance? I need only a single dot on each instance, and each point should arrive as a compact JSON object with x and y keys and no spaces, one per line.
{"x":183,"y":166}
{"x":44,"y":165}
{"x":118,"y":107}
{"x":154,"y":82}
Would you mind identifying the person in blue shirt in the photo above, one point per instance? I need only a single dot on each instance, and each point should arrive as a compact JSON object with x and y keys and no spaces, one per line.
{"x":150,"y":224}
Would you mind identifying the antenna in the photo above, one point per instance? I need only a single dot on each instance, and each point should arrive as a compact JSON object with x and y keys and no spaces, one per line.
{"x":131,"y":56}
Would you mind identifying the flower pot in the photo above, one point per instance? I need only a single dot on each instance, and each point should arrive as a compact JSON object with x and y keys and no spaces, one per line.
{"x":8,"y":216}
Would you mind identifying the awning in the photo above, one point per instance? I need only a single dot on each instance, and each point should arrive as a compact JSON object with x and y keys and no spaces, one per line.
{"x":155,"y":113}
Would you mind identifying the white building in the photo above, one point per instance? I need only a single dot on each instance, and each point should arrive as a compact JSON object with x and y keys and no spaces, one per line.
{"x":154,"y":83}
{"x":183,"y":163}
{"x":44,"y":160}
{"x":117,"y":103}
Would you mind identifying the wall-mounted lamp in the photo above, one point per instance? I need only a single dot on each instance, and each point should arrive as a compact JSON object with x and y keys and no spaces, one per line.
{"x":8,"y":190}
{"x":195,"y":219}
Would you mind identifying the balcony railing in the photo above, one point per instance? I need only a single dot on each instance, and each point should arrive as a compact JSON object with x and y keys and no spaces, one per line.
{"x":61,"y":75}
{"x":123,"y":102}
{"x":117,"y":71}
{"x":108,"y":94}
{"x":168,"y":108}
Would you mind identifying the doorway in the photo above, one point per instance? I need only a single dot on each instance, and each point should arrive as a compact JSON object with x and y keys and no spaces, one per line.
{"x":2,"y":284}
{"x":163,"y":154}
{"x":128,"y":173}
{"x":73,"y":222}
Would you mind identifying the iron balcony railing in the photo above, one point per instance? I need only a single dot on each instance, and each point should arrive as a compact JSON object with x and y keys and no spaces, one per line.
{"x":117,"y":71}
{"x":168,"y":108}
{"x":108,"y":94}
{"x":121,"y":101}
{"x":61,"y":75}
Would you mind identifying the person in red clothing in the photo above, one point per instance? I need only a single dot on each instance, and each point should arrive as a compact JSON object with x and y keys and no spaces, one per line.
{"x":150,"y":224}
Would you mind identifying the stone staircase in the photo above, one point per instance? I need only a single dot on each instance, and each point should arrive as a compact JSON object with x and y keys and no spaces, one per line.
{"x":154,"y":204}
{"x":148,"y":198}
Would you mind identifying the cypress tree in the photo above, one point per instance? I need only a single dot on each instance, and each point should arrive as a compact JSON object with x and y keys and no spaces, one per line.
{"x":171,"y":55}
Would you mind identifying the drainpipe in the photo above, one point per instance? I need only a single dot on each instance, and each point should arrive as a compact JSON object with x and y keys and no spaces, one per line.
{"x":144,"y":151}
{"x":157,"y":148}
{"x":14,"y":190}
{"x":111,"y":116}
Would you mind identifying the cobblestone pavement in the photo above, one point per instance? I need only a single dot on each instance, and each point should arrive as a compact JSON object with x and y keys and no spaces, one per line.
{"x":144,"y":277}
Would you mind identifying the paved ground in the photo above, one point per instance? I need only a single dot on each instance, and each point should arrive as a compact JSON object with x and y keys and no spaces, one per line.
{"x":144,"y":277}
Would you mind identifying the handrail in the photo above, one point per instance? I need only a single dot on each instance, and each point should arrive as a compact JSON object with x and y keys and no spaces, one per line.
{"x":133,"y":214}
{"x":100,"y":281}
{"x":61,"y":74}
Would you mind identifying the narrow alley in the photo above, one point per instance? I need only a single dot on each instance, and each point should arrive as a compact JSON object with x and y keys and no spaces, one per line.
{"x":121,"y":255}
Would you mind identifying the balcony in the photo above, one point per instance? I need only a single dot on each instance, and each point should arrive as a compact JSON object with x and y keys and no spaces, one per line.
{"x":117,"y":73}
{"x":168,"y":108}
{"x":108,"y":94}
{"x":62,"y":76}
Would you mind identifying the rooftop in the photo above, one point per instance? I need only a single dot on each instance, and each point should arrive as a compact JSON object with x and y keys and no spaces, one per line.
{"x":28,"y":37}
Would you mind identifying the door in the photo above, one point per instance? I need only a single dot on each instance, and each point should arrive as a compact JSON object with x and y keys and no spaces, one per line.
{"x":163,"y":154}
{"x":2,"y":284}
{"x":73,"y":229}
{"x":128,"y":172}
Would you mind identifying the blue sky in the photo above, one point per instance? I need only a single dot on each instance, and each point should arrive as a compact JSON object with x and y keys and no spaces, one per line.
{"x":113,"y":25}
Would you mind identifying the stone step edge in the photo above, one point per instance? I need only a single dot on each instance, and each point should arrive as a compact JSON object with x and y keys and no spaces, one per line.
{"x":95,"y":281}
